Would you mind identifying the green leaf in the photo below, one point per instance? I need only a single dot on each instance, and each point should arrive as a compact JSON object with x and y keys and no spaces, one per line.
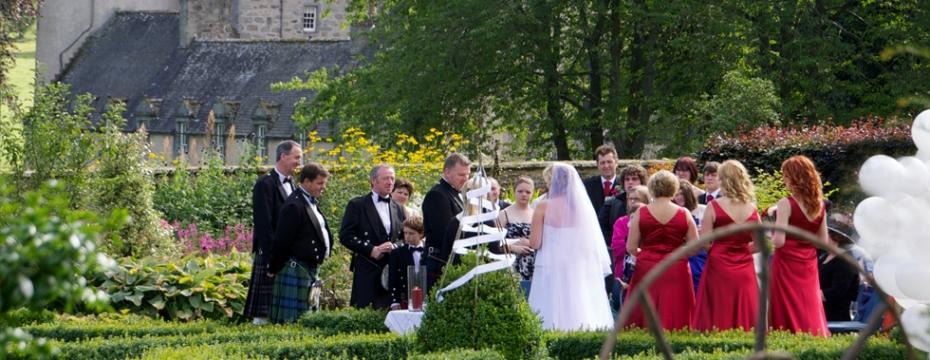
{"x":136,"y":298}
{"x":157,"y":302}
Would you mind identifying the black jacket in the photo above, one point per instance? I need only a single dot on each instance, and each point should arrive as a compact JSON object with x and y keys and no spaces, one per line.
{"x":401,"y":257}
{"x":595,"y":189}
{"x":267,"y":198}
{"x":613,"y":209}
{"x":440,"y":205}
{"x":299,"y":234}
{"x":361,"y":230}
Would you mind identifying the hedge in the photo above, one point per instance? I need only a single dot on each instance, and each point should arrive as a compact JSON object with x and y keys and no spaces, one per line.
{"x":460,"y":354}
{"x":290,"y":345}
{"x":838,"y":151}
{"x":345,"y":321}
{"x":586,"y":345}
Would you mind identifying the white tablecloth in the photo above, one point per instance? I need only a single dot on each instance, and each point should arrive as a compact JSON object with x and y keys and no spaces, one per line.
{"x":402,"y":322}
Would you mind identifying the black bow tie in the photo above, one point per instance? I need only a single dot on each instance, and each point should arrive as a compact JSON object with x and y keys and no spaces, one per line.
{"x":287,"y":180}
{"x":313,"y":200}
{"x":386,"y":199}
{"x":417,"y":249}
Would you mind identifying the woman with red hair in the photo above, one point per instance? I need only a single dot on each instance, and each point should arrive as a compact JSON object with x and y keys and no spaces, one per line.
{"x":795,"y":302}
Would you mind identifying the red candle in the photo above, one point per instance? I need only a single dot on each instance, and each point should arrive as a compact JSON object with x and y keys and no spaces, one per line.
{"x":416,"y":298}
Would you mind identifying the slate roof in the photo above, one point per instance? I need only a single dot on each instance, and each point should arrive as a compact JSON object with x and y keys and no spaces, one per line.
{"x":136,"y":56}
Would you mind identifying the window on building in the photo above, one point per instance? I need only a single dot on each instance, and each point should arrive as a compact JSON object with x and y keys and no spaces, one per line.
{"x":180,"y":138}
{"x":310,"y":19}
{"x":260,"y":139}
{"x":219,"y":138}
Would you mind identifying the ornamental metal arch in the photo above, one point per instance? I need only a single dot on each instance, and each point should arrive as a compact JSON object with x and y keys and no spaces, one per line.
{"x":761,"y":329}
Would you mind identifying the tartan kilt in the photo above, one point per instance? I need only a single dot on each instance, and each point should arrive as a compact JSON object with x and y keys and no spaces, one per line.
{"x":258,"y":301}
{"x":291,"y":291}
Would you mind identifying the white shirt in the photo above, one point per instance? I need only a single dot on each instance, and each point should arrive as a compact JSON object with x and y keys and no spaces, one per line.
{"x":384,"y":211}
{"x":320,"y":219}
{"x":286,"y":185}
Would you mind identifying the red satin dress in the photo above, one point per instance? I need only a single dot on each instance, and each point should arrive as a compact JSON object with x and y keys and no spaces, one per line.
{"x":795,"y":302}
{"x":728,"y":294}
{"x":673,"y":292}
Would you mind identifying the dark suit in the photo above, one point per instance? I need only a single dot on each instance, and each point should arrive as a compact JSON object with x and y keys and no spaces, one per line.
{"x":360,"y":232}
{"x":268,"y":195}
{"x":613,"y":209}
{"x":401,"y":257}
{"x":440,"y":205}
{"x":299,"y":235}
{"x":595,"y":189}
{"x":702,"y":199}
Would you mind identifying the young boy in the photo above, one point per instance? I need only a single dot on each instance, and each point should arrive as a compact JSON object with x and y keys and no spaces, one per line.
{"x":411,"y":253}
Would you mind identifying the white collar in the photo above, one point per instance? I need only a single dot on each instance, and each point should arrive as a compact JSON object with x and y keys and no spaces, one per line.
{"x":280,"y":177}
{"x":612,"y":179}
{"x":375,"y":196}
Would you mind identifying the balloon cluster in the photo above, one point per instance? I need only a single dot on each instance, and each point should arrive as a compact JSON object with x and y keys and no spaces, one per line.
{"x":894,"y":226}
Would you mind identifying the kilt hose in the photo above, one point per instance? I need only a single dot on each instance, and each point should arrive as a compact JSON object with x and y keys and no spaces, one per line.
{"x":258,"y":301}
{"x":291,"y":291}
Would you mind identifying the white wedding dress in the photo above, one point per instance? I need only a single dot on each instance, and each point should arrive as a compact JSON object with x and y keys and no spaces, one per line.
{"x":567,"y":290}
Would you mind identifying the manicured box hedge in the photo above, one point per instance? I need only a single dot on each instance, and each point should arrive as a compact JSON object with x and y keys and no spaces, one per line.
{"x":133,"y":337}
{"x":587,"y":345}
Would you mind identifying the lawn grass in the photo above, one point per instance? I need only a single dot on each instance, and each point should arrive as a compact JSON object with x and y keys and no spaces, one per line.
{"x":22,"y":79}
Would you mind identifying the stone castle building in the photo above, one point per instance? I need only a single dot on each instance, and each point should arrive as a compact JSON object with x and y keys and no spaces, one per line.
{"x":174,"y":62}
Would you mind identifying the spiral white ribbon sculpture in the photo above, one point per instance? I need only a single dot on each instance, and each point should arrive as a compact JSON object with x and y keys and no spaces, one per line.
{"x":486,"y":234}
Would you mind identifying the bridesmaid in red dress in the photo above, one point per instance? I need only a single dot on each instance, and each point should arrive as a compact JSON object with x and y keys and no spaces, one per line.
{"x":728,"y":295}
{"x":795,"y":302}
{"x":656,"y":230}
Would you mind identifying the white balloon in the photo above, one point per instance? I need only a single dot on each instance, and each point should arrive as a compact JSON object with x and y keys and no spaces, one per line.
{"x":923,"y":155}
{"x":915,"y":179}
{"x":916,"y":323}
{"x":911,"y":278}
{"x":873,"y":218}
{"x":885,"y":270}
{"x":920,"y":130}
{"x":913,"y":227}
{"x":880,"y":174}
{"x":875,"y":248}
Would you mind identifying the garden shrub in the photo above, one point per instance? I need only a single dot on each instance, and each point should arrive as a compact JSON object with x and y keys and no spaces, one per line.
{"x":349,"y":320}
{"x":631,"y":342}
{"x":460,"y":354}
{"x":488,"y":312}
{"x":838,"y":151}
{"x":193,"y":287}
{"x":46,"y":251}
{"x":25,"y":316}
{"x":271,"y":343}
{"x":121,"y":181}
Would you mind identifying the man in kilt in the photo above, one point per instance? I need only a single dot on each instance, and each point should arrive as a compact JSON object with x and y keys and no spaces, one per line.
{"x":268,"y":196}
{"x":302,"y":242}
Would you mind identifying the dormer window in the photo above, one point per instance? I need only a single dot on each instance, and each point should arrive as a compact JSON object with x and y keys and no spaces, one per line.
{"x":310,"y":18}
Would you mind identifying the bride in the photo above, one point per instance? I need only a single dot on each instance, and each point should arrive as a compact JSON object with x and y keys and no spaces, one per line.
{"x":571,"y":258}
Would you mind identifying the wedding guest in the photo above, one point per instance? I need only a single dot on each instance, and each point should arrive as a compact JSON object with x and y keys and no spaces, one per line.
{"x":302,"y":243}
{"x":686,"y":199}
{"x":440,"y":206}
{"x":728,"y":294}
{"x":495,"y":196}
{"x":616,"y":206}
{"x":268,"y":195}
{"x":656,"y":230}
{"x":371,"y":224}
{"x":686,"y":168}
{"x":839,"y":282}
{"x":516,"y":220}
{"x":571,"y":258}
{"x":410,"y":253}
{"x":795,"y":297}
{"x":711,"y":185}
{"x":601,"y":186}
{"x":636,"y":197}
{"x":403,"y":190}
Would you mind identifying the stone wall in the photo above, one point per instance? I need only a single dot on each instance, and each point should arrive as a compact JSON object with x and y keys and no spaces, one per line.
{"x":262,"y":19}
{"x":210,"y":19}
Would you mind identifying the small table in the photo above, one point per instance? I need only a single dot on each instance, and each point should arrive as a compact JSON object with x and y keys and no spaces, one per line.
{"x":403,"y":322}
